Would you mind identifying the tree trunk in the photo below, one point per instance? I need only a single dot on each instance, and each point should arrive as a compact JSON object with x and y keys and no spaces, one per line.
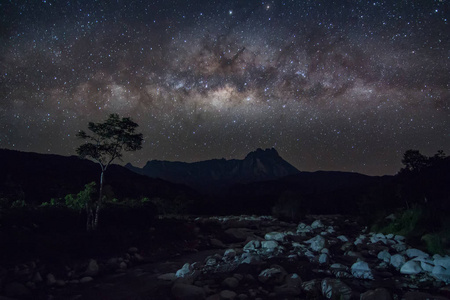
{"x":99,"y":203}
{"x":90,"y":218}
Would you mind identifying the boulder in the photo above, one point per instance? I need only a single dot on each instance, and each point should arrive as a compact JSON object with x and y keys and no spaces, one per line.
{"x":411,"y":267}
{"x":92,"y":268}
{"x":227,"y":295}
{"x":416,"y":253}
{"x":317,"y":243}
{"x":317,"y":224}
{"x":51,"y":280}
{"x":86,"y":279}
{"x":187,"y":292}
{"x":229,"y":254}
{"x":384,"y":256}
{"x":397,"y":260}
{"x":360,"y":269}
{"x":252,"y":246}
{"x":269,"y":246}
{"x":441,"y":273}
{"x":273,"y":275}
{"x":335,"y":289}
{"x":275,"y":236}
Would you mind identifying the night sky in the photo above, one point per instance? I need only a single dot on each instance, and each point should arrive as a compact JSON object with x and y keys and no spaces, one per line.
{"x":332,"y":85}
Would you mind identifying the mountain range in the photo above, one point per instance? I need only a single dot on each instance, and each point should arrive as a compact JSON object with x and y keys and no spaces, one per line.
{"x":212,"y":176}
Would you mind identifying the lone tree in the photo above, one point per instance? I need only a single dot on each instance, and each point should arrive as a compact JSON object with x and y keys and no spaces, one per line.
{"x":106,"y":143}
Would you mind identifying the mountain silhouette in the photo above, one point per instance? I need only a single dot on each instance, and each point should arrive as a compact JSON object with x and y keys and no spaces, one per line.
{"x":37,"y":178}
{"x":216,"y":174}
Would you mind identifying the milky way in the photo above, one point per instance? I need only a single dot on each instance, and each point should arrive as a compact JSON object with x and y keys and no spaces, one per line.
{"x":332,"y":85}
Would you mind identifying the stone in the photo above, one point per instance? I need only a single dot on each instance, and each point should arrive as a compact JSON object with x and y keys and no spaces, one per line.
{"x":317,"y":224}
{"x":133,"y":250}
{"x":441,"y":273}
{"x":377,"y":294}
{"x":269,"y":246}
{"x":37,"y":277}
{"x":92,"y":268}
{"x":397,"y":260}
{"x":187,"y":291}
{"x":360,"y":269}
{"x":252,"y":246}
{"x":138,"y":257}
{"x":416,"y":253}
{"x":229,"y":254}
{"x":335,"y":289}
{"x":303,"y":228}
{"x":275,"y":236}
{"x":230,"y":283}
{"x":342,"y":238}
{"x":274,"y":275}
{"x":16,"y":289}
{"x":86,"y":279}
{"x":323,"y":258}
{"x":384,"y":256}
{"x":411,"y":267}
{"x":316,"y":243}
{"x":227,"y":295}
{"x":51,"y":280}
{"x":250,"y":258}
{"x":123,"y":265}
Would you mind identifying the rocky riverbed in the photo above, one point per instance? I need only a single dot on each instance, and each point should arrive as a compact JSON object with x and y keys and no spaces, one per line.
{"x":249,"y":257}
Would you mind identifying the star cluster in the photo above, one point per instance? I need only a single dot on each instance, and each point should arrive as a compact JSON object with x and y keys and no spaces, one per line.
{"x":332,"y":85}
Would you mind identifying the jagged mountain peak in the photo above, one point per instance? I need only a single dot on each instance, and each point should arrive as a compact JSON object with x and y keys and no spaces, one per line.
{"x":208,"y":175}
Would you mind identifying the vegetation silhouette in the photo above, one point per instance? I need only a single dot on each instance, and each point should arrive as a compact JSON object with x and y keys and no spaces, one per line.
{"x":105,"y":144}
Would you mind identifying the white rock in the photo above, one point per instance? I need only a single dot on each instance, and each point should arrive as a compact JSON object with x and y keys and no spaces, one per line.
{"x":252,"y":246}
{"x":399,"y":247}
{"x":399,"y":238}
{"x":303,"y":228}
{"x":185,"y":271}
{"x":442,"y":261}
{"x":316,"y":243}
{"x":323,"y":258}
{"x":360,"y":269}
{"x":397,"y":260}
{"x":229,"y":253}
{"x":416,"y":253}
{"x":441,"y":273}
{"x":359,"y":240}
{"x":317,"y":224}
{"x":250,"y":258}
{"x":269,"y":246}
{"x":275,"y":274}
{"x":411,"y":268}
{"x":342,"y":238}
{"x":210,"y":261}
{"x":275,"y":236}
{"x":384,"y":256}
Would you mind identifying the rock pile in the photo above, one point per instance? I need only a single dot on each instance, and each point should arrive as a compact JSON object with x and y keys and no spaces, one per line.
{"x":330,"y":258}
